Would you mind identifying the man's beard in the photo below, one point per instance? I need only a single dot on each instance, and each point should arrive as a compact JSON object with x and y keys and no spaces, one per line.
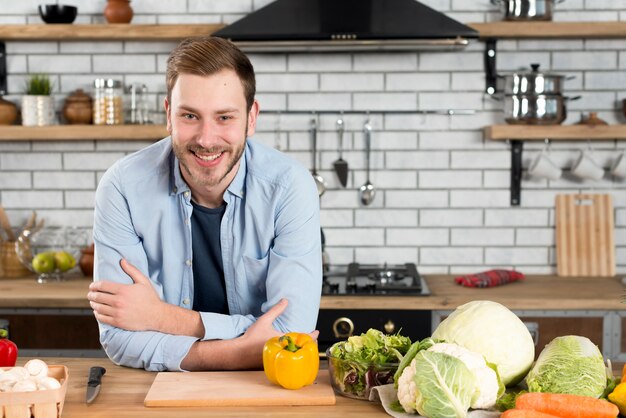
{"x":199,"y":175}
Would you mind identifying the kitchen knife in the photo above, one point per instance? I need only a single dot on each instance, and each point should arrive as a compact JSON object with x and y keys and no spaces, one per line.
{"x":93,"y":384}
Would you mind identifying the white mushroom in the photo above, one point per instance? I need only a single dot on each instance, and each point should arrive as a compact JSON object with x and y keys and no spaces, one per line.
{"x":6,"y":382}
{"x":26,"y":385}
{"x":37,"y":368}
{"x":19,"y":373}
{"x":48,"y":383}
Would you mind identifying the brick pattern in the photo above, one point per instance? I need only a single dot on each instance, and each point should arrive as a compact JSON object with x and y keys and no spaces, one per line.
{"x":442,"y":190}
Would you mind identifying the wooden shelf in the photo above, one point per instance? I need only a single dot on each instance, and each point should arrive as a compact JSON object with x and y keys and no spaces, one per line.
{"x":522,"y":30}
{"x":555,"y":132}
{"x":83,"y":133}
{"x":91,"y":32}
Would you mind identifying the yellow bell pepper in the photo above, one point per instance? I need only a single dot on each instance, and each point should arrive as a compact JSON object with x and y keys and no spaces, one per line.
{"x":291,"y":361}
{"x":618,"y":397}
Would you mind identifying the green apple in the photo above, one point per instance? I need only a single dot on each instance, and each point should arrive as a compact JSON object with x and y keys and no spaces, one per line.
{"x":44,"y":262}
{"x":64,"y":261}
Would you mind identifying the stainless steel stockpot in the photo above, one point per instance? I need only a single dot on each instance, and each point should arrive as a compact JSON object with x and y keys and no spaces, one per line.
{"x":527,"y":9}
{"x":531,"y":82}
{"x":535,"y":109}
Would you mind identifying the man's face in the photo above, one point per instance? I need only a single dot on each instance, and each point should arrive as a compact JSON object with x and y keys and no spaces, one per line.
{"x":208,"y":122}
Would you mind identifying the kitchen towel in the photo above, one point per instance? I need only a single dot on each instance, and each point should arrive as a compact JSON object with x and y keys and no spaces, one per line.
{"x":489,"y":278}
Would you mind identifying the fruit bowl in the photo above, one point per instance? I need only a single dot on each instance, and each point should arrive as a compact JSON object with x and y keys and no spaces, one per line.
{"x":49,"y":253}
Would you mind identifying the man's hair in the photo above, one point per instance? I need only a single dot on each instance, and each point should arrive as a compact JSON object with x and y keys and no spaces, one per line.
{"x":207,"y":55}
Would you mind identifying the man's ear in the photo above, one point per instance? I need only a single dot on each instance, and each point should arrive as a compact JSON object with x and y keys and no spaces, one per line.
{"x":252,"y":116}
{"x":168,"y":114}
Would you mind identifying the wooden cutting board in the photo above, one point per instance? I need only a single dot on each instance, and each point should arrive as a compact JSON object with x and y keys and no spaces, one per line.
{"x":237,"y":388}
{"x":585,"y":243}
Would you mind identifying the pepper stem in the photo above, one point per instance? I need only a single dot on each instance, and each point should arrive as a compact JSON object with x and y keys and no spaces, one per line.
{"x":3,"y":333}
{"x":291,"y":346}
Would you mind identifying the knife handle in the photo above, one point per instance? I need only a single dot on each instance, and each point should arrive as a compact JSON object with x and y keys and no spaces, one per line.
{"x":95,"y":375}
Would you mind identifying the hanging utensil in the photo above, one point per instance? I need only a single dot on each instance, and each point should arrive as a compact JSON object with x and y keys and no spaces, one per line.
{"x":341,"y":165}
{"x":367,"y":190}
{"x":319,"y":180}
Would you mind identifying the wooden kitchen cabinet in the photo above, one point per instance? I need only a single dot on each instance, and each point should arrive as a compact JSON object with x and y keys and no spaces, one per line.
{"x":550,"y":327}
{"x":52,"y":331}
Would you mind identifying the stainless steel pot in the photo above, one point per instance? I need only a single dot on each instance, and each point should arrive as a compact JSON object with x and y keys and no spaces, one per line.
{"x":527,"y":9}
{"x":531,"y":82}
{"x":535,"y":109}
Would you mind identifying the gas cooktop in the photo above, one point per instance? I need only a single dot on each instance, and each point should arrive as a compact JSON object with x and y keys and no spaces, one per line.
{"x":370,"y":279}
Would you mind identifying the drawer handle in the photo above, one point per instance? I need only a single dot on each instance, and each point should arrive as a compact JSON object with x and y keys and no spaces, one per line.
{"x":343,"y":327}
{"x":390,"y":327}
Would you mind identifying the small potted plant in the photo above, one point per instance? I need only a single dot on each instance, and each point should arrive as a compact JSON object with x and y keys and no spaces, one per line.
{"x":37,"y":104}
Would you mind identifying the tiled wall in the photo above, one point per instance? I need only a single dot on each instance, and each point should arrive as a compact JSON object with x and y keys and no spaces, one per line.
{"x":442,"y":190}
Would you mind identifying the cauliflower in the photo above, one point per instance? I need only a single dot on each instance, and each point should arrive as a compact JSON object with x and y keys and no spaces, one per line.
{"x":481,"y":383}
{"x":487,"y":378}
{"x":407,"y":390}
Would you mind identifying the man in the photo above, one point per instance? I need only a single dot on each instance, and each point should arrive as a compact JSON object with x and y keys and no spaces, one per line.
{"x":207,"y":243}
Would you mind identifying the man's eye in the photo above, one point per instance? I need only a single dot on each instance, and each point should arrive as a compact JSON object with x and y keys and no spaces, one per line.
{"x":188,"y":116}
{"x":225,"y":117}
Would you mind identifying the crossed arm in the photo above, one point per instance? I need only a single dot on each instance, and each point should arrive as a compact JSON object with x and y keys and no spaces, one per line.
{"x":137,"y":307}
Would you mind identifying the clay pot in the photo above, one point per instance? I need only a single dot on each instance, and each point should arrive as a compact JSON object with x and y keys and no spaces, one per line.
{"x":86,"y":261}
{"x":118,"y":11}
{"x":592,"y":119}
{"x":78,"y":108}
{"x":8,"y":112}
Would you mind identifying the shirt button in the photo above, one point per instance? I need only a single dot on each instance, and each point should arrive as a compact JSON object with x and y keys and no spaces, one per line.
{"x":175,"y":189}
{"x":185,"y":301}
{"x":186,"y":221}
{"x":186,"y":194}
{"x":188,"y":262}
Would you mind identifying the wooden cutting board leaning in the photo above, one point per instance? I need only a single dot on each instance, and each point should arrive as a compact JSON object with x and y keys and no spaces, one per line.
{"x":585,"y":243}
{"x":237,"y":388}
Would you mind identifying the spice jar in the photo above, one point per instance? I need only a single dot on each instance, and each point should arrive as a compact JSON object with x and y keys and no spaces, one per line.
{"x":107,"y":103}
{"x":78,"y":108}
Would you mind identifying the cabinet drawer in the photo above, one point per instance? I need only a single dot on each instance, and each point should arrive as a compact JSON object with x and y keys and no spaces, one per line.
{"x":549,"y":328}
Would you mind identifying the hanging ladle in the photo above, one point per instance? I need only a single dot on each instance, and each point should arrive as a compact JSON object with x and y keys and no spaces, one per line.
{"x":367,"y":191}
{"x":319,"y":180}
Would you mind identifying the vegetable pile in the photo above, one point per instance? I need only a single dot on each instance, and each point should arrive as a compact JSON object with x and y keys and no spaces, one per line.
{"x":470,"y":358}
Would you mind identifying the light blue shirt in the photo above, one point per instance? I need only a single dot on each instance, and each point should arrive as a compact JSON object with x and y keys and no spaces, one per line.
{"x":270,"y":238}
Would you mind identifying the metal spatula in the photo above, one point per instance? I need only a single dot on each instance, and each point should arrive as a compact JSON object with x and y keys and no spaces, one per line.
{"x":341,"y":165}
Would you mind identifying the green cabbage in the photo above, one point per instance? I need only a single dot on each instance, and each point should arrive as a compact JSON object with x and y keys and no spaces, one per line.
{"x":492,"y":330}
{"x":569,"y":364}
{"x":445,"y":386}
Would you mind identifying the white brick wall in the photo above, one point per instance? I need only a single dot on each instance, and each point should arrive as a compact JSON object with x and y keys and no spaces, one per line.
{"x":442,"y":190}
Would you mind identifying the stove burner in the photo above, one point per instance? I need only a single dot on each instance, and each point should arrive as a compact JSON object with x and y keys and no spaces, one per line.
{"x":367,"y":279}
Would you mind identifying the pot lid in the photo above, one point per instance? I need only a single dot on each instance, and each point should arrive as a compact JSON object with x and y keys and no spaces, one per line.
{"x":534,"y":72}
{"x":78,"y":96}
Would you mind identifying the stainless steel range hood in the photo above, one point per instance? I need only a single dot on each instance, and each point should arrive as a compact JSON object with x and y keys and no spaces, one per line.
{"x":347,"y":25}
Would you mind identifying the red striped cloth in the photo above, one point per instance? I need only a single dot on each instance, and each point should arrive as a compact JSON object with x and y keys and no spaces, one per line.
{"x":489,"y":278}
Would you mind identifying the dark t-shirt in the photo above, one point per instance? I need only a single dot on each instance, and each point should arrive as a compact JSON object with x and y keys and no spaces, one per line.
{"x":209,"y":293}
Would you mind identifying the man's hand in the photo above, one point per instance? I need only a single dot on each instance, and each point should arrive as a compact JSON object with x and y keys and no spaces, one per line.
{"x":262,"y":330}
{"x":134,"y":307}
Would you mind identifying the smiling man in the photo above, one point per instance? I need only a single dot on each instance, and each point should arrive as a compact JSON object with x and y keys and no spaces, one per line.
{"x":207,"y":242}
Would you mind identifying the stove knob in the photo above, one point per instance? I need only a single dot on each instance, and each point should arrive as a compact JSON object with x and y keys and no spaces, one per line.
{"x":390,"y":327}
{"x":343,"y":327}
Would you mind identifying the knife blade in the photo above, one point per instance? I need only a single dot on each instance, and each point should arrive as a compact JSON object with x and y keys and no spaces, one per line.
{"x":93,"y":384}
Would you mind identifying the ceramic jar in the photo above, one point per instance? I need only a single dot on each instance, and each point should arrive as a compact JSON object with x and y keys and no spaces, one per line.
{"x":86,"y":261}
{"x":78,"y":108}
{"x":118,"y":11}
{"x":8,"y":112}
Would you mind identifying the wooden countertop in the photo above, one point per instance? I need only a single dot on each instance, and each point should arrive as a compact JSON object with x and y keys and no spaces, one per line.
{"x":123,"y":391}
{"x":535,"y":292}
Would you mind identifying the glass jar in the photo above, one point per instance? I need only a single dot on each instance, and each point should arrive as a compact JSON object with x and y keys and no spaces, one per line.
{"x":107,"y":102}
